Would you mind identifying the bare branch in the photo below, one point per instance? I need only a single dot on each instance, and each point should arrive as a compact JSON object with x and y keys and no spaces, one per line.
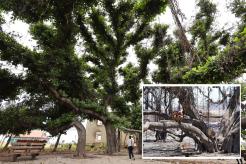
{"x":131,"y":130}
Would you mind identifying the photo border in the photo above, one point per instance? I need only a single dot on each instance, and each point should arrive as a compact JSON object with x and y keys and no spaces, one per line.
{"x":188,"y":85}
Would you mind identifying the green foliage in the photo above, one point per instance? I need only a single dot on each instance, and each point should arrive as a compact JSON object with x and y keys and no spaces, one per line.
{"x":43,"y":34}
{"x":208,"y":62}
{"x":136,"y":117}
{"x":10,"y":85}
{"x":225,"y":66}
{"x":1,"y":19}
{"x":169,"y":58}
{"x":18,"y":120}
{"x":148,"y":9}
{"x":217,"y":69}
{"x":53,"y":125}
{"x":131,"y":83}
{"x":29,"y":10}
{"x":201,"y":30}
{"x":115,"y":29}
{"x":15,"y":53}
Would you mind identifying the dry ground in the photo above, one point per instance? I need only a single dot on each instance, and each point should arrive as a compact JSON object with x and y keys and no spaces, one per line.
{"x":170,"y":148}
{"x":104,"y":159}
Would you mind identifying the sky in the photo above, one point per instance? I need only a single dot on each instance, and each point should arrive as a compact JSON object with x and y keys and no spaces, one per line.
{"x":225,"y":19}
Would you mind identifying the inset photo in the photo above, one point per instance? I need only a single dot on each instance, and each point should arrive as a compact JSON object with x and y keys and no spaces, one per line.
{"x":191,"y":121}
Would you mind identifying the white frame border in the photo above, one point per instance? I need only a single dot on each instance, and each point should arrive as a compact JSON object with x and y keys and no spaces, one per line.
{"x":188,"y":85}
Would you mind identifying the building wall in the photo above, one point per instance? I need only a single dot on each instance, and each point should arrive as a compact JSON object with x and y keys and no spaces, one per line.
{"x":94,"y":129}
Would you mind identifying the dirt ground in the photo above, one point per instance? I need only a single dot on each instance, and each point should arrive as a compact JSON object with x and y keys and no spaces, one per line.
{"x":104,"y":159}
{"x":170,"y":148}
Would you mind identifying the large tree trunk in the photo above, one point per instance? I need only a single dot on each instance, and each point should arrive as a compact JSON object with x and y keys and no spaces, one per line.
{"x":118,"y":140}
{"x":231,"y":125}
{"x":57,"y":142}
{"x":234,"y":101}
{"x":189,"y":129}
{"x":186,"y":99}
{"x":7,"y":144}
{"x":243,"y":122}
{"x":231,"y":142}
{"x":111,"y":138}
{"x":80,"y":150}
{"x":139,"y":143}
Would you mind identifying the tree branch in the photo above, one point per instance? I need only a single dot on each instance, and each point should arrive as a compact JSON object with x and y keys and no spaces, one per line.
{"x":161,"y":115}
{"x":226,"y":66}
{"x":68,"y":103}
{"x":15,"y":53}
{"x":192,"y":131}
{"x":131,"y":130}
{"x":90,"y":43}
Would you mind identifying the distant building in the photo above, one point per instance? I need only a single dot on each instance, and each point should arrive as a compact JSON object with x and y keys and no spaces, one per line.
{"x":35,"y":134}
{"x":96,"y":133}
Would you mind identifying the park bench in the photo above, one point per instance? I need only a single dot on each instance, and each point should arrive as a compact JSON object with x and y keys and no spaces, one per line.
{"x":26,"y":147}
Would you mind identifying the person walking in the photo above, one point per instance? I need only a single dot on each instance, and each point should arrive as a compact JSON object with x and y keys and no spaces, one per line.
{"x":130,"y":144}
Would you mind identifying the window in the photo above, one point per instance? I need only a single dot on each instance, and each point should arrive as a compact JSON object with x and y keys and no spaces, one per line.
{"x":98,"y":136}
{"x":99,"y":122}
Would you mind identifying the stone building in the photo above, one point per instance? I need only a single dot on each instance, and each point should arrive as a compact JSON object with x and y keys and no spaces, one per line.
{"x":96,"y":134}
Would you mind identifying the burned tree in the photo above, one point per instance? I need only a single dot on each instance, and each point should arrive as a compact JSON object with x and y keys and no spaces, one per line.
{"x":196,"y":120}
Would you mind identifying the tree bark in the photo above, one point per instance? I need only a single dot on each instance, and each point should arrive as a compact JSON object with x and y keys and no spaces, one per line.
{"x":243,"y":123}
{"x":80,"y":150}
{"x":190,"y":130}
{"x":68,"y":103}
{"x":186,"y":99}
{"x":111,"y":138}
{"x":118,"y":140}
{"x":139,"y":143}
{"x":125,"y":144}
{"x":7,"y":144}
{"x":160,"y":115}
{"x":57,"y":142}
{"x":234,"y":101}
{"x":231,"y":142}
{"x":231,"y":125}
